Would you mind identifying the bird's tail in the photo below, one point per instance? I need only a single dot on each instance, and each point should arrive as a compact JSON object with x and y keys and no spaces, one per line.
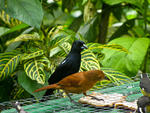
{"x":52,"y":86}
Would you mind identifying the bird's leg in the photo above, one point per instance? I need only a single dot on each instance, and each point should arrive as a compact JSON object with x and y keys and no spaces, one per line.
{"x":71,"y":100}
{"x":93,"y":97}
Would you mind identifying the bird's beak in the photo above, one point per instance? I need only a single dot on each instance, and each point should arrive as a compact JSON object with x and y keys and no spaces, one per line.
{"x":84,"y":46}
{"x":106,"y":78}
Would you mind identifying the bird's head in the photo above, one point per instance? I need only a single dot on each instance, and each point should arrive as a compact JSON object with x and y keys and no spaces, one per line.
{"x":144,"y":75}
{"x":96,"y":75}
{"x":78,"y":46}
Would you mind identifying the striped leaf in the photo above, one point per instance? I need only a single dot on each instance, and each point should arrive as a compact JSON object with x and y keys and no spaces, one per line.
{"x":65,"y":47}
{"x":24,"y":37}
{"x":8,"y":63}
{"x":60,"y":37}
{"x":11,"y":22}
{"x":88,"y":61}
{"x":115,"y":47}
{"x":34,"y":68}
{"x":116,"y":77}
{"x":96,"y":47}
{"x":35,"y":52}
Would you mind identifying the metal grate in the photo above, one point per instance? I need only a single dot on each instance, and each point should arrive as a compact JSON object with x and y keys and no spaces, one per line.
{"x":63,"y":105}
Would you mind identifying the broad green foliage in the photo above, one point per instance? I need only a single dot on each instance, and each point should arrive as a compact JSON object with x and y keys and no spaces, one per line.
{"x":30,"y":85}
{"x":8,"y":63}
{"x":88,"y":30}
{"x":127,"y":63}
{"x":27,"y":11}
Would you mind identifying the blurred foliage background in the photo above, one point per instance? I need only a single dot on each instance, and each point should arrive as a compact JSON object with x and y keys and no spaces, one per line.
{"x":36,"y":35}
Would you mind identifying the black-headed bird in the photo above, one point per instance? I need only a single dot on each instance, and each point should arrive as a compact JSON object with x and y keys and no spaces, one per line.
{"x":143,"y":102}
{"x":145,"y":84}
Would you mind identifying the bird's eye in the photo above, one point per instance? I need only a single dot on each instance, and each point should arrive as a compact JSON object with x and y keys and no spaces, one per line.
{"x":100,"y":77}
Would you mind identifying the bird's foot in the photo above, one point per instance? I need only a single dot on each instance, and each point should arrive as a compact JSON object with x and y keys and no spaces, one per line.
{"x":97,"y":98}
{"x":76,"y":103}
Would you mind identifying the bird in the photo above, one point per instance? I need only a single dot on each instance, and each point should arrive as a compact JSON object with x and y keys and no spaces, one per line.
{"x":145,"y":84}
{"x":77,"y":83}
{"x":70,"y":65}
{"x":142,"y":104}
{"x":18,"y":107}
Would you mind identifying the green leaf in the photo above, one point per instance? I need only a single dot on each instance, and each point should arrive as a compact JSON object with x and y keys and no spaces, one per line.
{"x":24,"y":37}
{"x":35,"y":52}
{"x":88,"y":61}
{"x":69,"y":4}
{"x":3,"y":30}
{"x":128,"y":63}
{"x":8,"y":63}
{"x":12,"y":46}
{"x":128,"y":25}
{"x":117,"y":12}
{"x":30,"y":85}
{"x":34,"y":68}
{"x":2,"y":4}
{"x":27,"y":11}
{"x":16,"y":28}
{"x":88,"y":30}
{"x":96,"y":47}
{"x":113,"y":2}
{"x":60,"y":38}
{"x":54,"y":51}
{"x":115,"y":47}
{"x":66,"y":47}
{"x":61,"y":50}
{"x":116,"y":77}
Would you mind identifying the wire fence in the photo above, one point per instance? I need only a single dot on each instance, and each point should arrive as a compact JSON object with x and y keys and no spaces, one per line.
{"x":58,"y":103}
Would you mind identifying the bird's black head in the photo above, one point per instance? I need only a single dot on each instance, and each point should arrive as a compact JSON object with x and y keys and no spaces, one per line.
{"x":144,"y":75}
{"x":78,"y":46}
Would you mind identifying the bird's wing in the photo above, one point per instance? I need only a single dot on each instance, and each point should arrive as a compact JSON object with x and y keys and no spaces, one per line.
{"x":64,"y":65}
{"x":62,"y":68}
{"x":72,"y":81}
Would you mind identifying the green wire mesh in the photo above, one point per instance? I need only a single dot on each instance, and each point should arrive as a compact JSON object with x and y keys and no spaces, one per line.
{"x":59,"y":104}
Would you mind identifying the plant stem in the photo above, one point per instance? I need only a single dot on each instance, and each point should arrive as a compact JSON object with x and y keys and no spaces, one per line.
{"x":145,"y":15}
{"x":145,"y":29}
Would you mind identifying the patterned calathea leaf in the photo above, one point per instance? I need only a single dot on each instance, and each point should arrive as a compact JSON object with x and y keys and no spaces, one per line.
{"x":61,"y":50}
{"x":116,"y":77}
{"x":60,"y":37}
{"x":34,"y":52}
{"x":34,"y":68}
{"x":24,"y":37}
{"x":88,"y":61}
{"x":8,"y":63}
{"x":96,"y":47}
